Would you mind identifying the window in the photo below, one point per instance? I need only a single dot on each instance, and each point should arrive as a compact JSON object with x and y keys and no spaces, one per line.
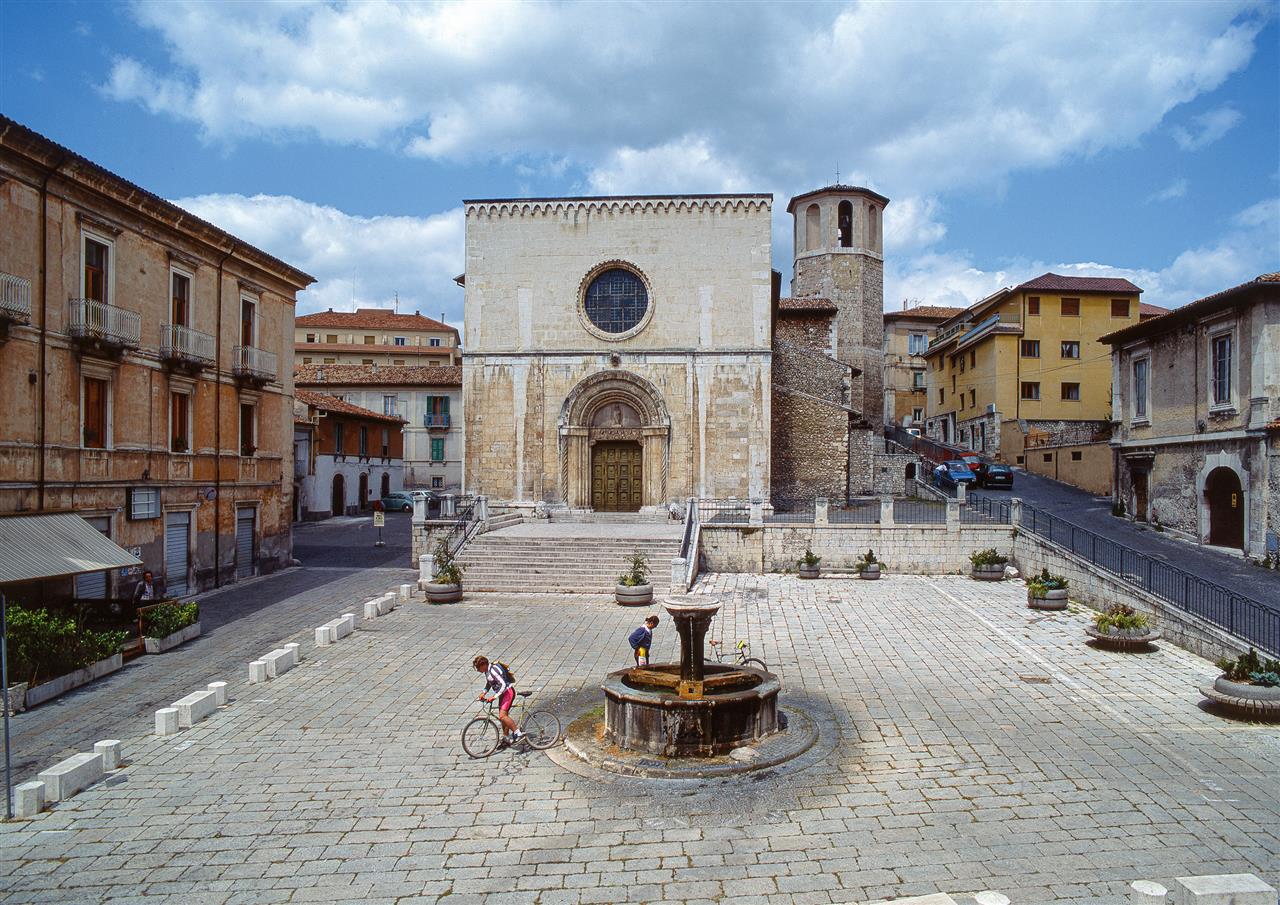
{"x":179,"y":422}
{"x":330,"y":361}
{"x":434,"y":341}
{"x":1141,"y":367}
{"x":973,"y":398}
{"x":400,"y":341}
{"x":973,"y":358}
{"x":96,"y":414}
{"x":1070,"y":307}
{"x":364,"y":440}
{"x":844,"y":224}
{"x":437,"y":449}
{"x":437,"y":483}
{"x":1033,"y":305}
{"x":1048,"y":457}
{"x":942,"y":395}
{"x":917,"y":343}
{"x":97,"y":270}
{"x":1221,"y":373}
{"x":386,"y":443}
{"x":311,"y":337}
{"x":1030,"y":390}
{"x":180,"y":289}
{"x":248,"y":315}
{"x":398,"y":362}
{"x":1031,"y":348}
{"x":1070,"y":348}
{"x":917,"y":379}
{"x":812,"y":227}
{"x":873,"y":228}
{"x":366,"y":361}
{"x":389,"y":405}
{"x":961,"y":364}
{"x":962,"y":402}
{"x":1071,"y":392}
{"x":616,"y":301}
{"x":143,"y":502}
{"x":248,"y":436}
{"x":1076,"y":455}
{"x":917,"y":415}
{"x":339,"y":438}
{"x":306,"y":359}
{"x":1119,"y":307}
{"x":331,"y":338}
{"x":1019,"y":460}
{"x":369,"y":340}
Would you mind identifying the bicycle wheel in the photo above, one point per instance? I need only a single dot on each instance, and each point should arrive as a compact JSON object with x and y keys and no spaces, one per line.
{"x":541,"y":728}
{"x":480,"y":737}
{"x":756,"y":662}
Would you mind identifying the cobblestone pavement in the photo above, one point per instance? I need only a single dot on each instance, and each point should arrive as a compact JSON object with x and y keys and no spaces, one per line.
{"x":239,"y":623}
{"x":981,"y":746}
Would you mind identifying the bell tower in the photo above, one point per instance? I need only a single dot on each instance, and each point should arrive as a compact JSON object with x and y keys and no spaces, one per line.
{"x":839,"y":256}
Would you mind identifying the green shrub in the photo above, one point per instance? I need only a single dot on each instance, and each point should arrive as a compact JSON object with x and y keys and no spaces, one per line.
{"x":1246,"y":666}
{"x":1121,"y":618}
{"x":637,"y":572}
{"x":44,"y":645}
{"x":867,"y":560}
{"x":988,"y":557}
{"x":1268,"y":679}
{"x":447,"y":571}
{"x":169,"y":618}
{"x":809,"y":559}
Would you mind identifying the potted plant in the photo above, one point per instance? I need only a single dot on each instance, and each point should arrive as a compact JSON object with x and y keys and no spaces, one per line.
{"x":1123,"y":628}
{"x":869,"y":566}
{"x":634,"y":587}
{"x":808,"y":564}
{"x":1047,"y":592}
{"x":988,"y":565}
{"x":166,"y":625}
{"x":446,"y":586}
{"x":1247,"y":683}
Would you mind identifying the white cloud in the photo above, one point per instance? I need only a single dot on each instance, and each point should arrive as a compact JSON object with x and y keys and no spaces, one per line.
{"x":923,"y":97}
{"x":373,"y":258}
{"x":1175,"y":189}
{"x":685,"y":165}
{"x":912,"y":224}
{"x":1206,"y":128}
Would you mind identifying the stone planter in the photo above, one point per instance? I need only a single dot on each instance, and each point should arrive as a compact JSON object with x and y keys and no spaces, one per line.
{"x":988,"y":573}
{"x":442,"y":593}
{"x":1123,"y":641}
{"x":182,"y":636}
{"x":810,"y":571}
{"x":17,"y":697}
{"x":633,"y":595}
{"x":48,"y":690}
{"x":1253,"y":701}
{"x":1048,"y":600}
{"x":870,"y":573}
{"x":1245,"y":690}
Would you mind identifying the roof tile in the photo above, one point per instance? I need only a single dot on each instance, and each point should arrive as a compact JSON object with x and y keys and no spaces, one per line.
{"x":372,"y":319}
{"x":328,"y":403}
{"x":392,"y":375}
{"x":806,"y":304}
{"x":924,"y":312}
{"x":1057,"y":283}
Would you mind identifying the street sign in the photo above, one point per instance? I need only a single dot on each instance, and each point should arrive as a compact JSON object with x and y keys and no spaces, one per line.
{"x":379,"y":519}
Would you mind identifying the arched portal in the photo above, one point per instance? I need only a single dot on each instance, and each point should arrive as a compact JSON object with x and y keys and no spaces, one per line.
{"x":1224,"y":498}
{"x":614,"y":444}
{"x":386,"y":484}
{"x":364,"y":489}
{"x":338,"y":502}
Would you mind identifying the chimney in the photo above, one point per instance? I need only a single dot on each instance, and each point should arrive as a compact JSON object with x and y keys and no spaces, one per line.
{"x":331,"y":311}
{"x":320,"y":373}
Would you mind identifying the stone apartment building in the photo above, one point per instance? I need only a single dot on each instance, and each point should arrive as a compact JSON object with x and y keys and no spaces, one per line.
{"x":907,"y":334}
{"x":374,"y":336}
{"x":429,"y":399}
{"x":1026,"y":363}
{"x":1196,"y":433}
{"x":141,"y":355}
{"x":346,"y":456}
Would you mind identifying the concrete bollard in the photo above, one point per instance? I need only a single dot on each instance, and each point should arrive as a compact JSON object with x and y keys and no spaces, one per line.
{"x":406,"y":591}
{"x":167,"y":721}
{"x":110,"y":751}
{"x":322,"y":636}
{"x":195,"y":707}
{"x":350,"y":620}
{"x":28,"y":799}
{"x":67,"y":777}
{"x":1144,"y":892}
{"x":278,"y":662}
{"x":219,"y":690}
{"x":1223,"y":889}
{"x":370,"y":611}
{"x":257,"y":672}
{"x":296,"y":648}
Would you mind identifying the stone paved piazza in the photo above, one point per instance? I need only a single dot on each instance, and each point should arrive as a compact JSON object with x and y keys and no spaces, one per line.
{"x":981,"y":746}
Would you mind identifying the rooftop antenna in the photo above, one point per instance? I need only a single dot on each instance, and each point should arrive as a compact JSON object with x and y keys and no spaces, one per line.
{"x":837,"y":172}
{"x":397,"y":302}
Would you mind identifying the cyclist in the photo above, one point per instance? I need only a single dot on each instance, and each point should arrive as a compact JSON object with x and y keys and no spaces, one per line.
{"x":641,"y":640}
{"x":500,"y":685}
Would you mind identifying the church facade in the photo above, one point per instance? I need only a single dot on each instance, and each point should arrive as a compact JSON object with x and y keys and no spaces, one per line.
{"x":619,"y":352}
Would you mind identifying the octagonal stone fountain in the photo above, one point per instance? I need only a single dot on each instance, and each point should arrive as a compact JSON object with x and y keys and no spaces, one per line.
{"x":690,"y":708}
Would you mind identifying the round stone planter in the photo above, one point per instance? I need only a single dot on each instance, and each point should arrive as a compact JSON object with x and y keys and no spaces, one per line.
{"x":1049,"y":600}
{"x":443,"y":593}
{"x":810,"y":571}
{"x":637,"y":595}
{"x":1122,"y":641}
{"x":988,"y":573}
{"x":870,"y":573}
{"x":1253,"y":701}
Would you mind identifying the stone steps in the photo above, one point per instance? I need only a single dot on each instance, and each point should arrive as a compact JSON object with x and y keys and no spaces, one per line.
{"x":559,"y":565}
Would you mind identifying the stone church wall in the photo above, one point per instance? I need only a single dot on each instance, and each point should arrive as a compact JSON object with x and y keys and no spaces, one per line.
{"x":810,"y":421}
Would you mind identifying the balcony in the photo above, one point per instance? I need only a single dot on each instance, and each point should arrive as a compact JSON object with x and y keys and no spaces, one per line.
{"x":256,"y":366}
{"x":15,"y":302}
{"x":102,"y":328}
{"x":436,"y":420}
{"x":185,"y":349}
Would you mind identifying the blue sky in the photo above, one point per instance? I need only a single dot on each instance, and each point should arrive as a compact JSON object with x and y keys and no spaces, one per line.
{"x":1139,"y":140}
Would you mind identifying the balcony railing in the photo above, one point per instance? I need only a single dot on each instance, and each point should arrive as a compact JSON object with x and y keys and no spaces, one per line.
{"x":90,"y":319}
{"x":436,"y":419}
{"x":179,"y":343}
{"x":15,"y":299}
{"x":255,"y":364}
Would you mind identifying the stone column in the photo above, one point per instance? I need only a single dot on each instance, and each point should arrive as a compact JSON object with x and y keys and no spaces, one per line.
{"x":482,"y":508}
{"x":953,"y":516}
{"x":448,"y":506}
{"x":820,"y":508}
{"x":757,"y":512}
{"x":886,"y":512}
{"x":961,"y":492}
{"x":1015,"y":512}
{"x":679,"y":573}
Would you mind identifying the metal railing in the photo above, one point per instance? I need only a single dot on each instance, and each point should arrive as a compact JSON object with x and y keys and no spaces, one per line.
{"x":919,"y":512}
{"x":856,"y":511}
{"x":177,"y":341}
{"x":724,"y":512}
{"x":435,"y":419}
{"x":792,"y":511}
{"x":978,"y":510}
{"x":465,"y":525}
{"x":250,"y":361}
{"x":1239,"y":615}
{"x":15,"y":298}
{"x":690,"y":543}
{"x":92,"y":319}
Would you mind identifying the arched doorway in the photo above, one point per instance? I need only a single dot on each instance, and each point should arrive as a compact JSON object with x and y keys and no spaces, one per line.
{"x":386,"y":484}
{"x":1224,"y":498}
{"x":364,"y":489}
{"x":617,"y":474}
{"x":911,"y":471}
{"x":338,"y":502}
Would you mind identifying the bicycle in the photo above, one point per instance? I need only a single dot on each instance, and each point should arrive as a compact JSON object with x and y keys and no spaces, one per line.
{"x":717,"y":648}
{"x":483,"y":735}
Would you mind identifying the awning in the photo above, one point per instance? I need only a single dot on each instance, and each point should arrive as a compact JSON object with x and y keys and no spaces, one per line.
{"x":55,"y":545}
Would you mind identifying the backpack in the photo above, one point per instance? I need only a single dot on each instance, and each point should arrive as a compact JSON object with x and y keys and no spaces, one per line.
{"x":511,"y":677}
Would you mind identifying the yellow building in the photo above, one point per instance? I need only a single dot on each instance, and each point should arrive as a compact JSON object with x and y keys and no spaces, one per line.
{"x":374,"y":336}
{"x":1026,"y":362}
{"x":907,"y":334}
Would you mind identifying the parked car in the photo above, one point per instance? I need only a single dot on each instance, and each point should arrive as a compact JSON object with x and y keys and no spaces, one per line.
{"x":914,"y":431}
{"x":972,"y":459}
{"x":953,"y":473}
{"x":399,"y":501}
{"x":995,"y":474}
